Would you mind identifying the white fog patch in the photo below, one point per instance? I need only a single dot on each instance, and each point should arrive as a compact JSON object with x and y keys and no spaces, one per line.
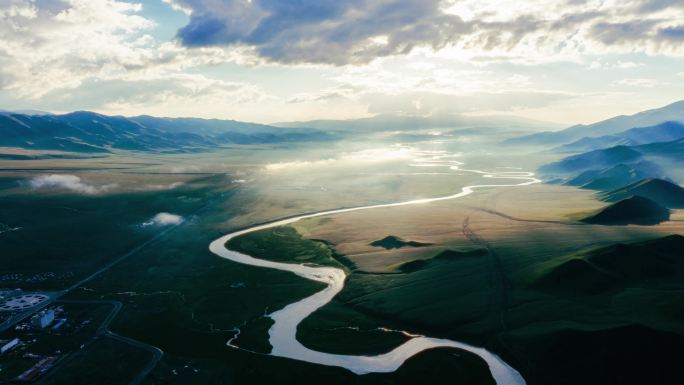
{"x":297,"y":164}
{"x":164,"y":219}
{"x":384,"y":154}
{"x":159,"y":187}
{"x":68,"y":182}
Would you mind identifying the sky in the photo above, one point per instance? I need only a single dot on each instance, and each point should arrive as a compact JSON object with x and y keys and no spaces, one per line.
{"x":563,"y":61}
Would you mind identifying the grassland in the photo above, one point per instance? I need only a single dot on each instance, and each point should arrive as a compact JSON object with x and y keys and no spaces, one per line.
{"x":493,"y":301}
{"x":188,"y":302}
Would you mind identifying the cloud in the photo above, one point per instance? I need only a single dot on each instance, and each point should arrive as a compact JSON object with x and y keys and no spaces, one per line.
{"x":659,"y":5}
{"x":638,"y":82}
{"x":616,"y":33}
{"x":164,"y":219}
{"x":275,"y":60}
{"x":321,"y":31}
{"x":175,"y":92}
{"x":68,"y":182}
{"x":382,"y":154}
{"x":359,"y":31}
{"x":159,"y":187}
{"x":435,"y":103}
{"x":53,"y":47}
{"x":331,"y":94}
{"x":674,"y":34}
{"x":53,"y":44}
{"x":628,"y":64}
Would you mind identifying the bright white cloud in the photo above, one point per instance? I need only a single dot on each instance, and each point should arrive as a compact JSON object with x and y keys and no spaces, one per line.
{"x":160,"y":187}
{"x":372,"y":155}
{"x":638,"y":82}
{"x":53,"y":47}
{"x":67,"y":182}
{"x":164,"y":219}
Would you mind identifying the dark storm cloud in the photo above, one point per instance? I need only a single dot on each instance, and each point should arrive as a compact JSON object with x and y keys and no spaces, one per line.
{"x":321,"y":31}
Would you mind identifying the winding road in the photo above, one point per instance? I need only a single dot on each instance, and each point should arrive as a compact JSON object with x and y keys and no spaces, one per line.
{"x":282,"y":335}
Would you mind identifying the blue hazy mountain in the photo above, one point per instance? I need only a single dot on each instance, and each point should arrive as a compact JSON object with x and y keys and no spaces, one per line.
{"x":663,"y":192}
{"x":663,"y":132}
{"x":614,"y":167}
{"x":389,"y":122}
{"x":671,"y":113}
{"x":592,"y":160}
{"x":616,"y":176}
{"x":673,"y":150}
{"x":91,"y":132}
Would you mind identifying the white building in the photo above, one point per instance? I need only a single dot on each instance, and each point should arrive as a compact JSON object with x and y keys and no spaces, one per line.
{"x":7,"y":345}
{"x":43,"y":318}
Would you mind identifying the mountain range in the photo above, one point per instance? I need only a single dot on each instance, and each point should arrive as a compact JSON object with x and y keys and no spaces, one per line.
{"x":389,"y":122}
{"x":671,"y":113}
{"x":616,"y":176}
{"x":663,"y":132}
{"x":663,"y":192}
{"x":613,"y":167}
{"x":95,"y":133}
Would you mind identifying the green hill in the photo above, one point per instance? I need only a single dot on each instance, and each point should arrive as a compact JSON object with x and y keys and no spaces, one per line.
{"x":617,"y":266}
{"x":635,"y":210}
{"x":394,"y":242}
{"x":444,"y":256}
{"x":632,"y":354}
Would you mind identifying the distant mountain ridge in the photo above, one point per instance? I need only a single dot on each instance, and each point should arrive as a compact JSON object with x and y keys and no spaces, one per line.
{"x":671,"y":113}
{"x":400,"y":122}
{"x":616,"y":176}
{"x":84,"y":131}
{"x":614,"y":167}
{"x":592,"y":160}
{"x":663,"y":132}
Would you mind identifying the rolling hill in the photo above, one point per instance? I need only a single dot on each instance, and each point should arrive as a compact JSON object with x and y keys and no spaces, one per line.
{"x":91,"y":132}
{"x":394,"y":242}
{"x":664,"y":193}
{"x":444,"y":256}
{"x":615,"y":267}
{"x":634,"y":210}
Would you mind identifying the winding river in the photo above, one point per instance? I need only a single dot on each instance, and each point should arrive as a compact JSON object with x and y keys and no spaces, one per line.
{"x":282,"y":335}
